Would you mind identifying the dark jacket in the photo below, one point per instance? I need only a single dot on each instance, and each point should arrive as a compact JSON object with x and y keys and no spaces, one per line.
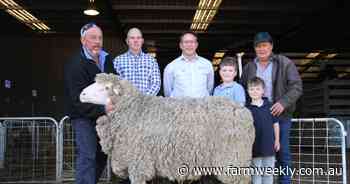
{"x":286,"y":82}
{"x":79,"y":73}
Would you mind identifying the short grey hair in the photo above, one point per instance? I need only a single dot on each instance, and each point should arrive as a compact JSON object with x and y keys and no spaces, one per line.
{"x":86,"y":27}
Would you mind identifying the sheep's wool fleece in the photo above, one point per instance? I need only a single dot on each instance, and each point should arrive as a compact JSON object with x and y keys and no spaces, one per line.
{"x":148,"y":136}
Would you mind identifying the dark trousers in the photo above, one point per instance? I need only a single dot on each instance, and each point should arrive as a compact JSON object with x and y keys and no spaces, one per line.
{"x":90,"y":161}
{"x":283,"y":156}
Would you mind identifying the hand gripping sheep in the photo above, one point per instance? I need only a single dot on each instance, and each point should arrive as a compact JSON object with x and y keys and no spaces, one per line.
{"x":180,"y":139}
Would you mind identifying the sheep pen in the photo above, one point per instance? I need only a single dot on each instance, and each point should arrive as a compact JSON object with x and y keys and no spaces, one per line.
{"x":176,"y":138}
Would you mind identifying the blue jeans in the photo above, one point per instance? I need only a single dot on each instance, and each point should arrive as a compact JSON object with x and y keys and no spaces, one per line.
{"x":91,"y":161}
{"x":283,"y":156}
{"x":263,"y":163}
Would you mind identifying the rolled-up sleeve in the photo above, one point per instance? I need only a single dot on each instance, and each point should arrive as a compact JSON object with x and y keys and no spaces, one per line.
{"x":154,"y":81}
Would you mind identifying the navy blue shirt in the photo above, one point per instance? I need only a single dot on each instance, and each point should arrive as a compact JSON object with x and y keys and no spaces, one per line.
{"x":264,"y":131}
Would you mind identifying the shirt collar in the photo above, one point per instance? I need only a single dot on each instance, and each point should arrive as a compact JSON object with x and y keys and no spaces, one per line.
{"x":231,"y":84}
{"x":182,"y":57}
{"x":256,"y":60}
{"x":87,"y":54}
{"x":135,"y":55}
{"x":265,"y":102}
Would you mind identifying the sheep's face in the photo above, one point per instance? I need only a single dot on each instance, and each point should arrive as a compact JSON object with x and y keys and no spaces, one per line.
{"x":96,"y":93}
{"x":108,"y":88}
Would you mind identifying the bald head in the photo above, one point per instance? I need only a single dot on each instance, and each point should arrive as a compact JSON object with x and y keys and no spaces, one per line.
{"x":134,"y":40}
{"x":134,"y":32}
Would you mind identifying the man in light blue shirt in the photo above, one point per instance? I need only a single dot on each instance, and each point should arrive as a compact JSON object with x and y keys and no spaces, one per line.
{"x":189,"y":75}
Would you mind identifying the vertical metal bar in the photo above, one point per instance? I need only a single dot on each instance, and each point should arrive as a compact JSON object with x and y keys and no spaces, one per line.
{"x":299,"y":159}
{"x":33,"y":134}
{"x":313,"y":149}
{"x":37,"y":133}
{"x":327,"y":142}
{"x":239,"y":63}
{"x":72,"y":141}
{"x":343,"y":147}
{"x":21,"y":157}
{"x":60,"y":147}
{"x":58,"y":153}
{"x":2,"y":145}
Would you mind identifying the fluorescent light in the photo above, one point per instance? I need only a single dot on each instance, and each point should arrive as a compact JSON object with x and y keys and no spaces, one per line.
{"x":312,"y":54}
{"x":330,"y":56}
{"x":205,"y":13}
{"x":17,"y":11}
{"x":219,"y":54}
{"x":91,"y":10}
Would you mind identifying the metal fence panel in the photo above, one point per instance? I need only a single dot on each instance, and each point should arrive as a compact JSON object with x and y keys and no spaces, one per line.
{"x":318,"y":146}
{"x":68,"y":153}
{"x":29,"y":150}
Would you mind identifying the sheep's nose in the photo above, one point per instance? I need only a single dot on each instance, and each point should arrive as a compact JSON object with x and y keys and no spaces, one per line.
{"x":83,"y":94}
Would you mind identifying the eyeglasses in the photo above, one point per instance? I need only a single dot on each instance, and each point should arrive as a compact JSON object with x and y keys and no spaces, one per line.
{"x":87,"y":27}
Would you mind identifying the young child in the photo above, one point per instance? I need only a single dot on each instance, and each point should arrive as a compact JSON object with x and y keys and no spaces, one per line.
{"x":266,"y":142}
{"x":229,"y":88}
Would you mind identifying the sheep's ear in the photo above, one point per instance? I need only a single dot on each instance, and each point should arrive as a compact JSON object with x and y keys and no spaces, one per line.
{"x":116,"y":91}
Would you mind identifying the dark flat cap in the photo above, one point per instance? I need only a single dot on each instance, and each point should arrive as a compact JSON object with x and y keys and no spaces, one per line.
{"x":262,"y":37}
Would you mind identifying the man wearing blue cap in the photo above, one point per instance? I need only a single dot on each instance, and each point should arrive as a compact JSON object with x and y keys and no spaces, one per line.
{"x":78,"y":74}
{"x":283,"y":87}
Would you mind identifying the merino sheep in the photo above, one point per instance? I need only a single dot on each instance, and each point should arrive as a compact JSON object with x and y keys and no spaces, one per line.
{"x":149,"y":136}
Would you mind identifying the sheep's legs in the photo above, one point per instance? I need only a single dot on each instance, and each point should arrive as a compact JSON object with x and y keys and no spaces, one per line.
{"x":137,"y":180}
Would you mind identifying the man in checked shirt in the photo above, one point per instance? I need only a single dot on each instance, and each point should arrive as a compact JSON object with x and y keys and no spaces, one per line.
{"x":139,"y":68}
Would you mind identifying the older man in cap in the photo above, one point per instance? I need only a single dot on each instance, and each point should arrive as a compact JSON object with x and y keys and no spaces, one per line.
{"x":79,"y":73}
{"x":283,"y":87}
